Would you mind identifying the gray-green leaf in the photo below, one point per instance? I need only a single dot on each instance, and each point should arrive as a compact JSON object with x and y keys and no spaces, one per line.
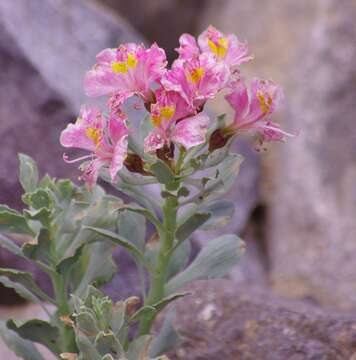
{"x":28,"y":173}
{"x":21,"y":347}
{"x":215,"y":260}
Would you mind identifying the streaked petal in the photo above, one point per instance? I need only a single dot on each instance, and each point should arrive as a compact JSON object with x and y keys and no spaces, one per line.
{"x":191,"y":131}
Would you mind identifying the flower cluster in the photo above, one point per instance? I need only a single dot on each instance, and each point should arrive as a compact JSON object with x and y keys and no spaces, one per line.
{"x":175,"y":99}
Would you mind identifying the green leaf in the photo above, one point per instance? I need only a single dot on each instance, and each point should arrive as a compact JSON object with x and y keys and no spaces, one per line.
{"x":139,"y":210}
{"x":215,"y":260}
{"x":23,"y":283}
{"x":65,"y":189}
{"x":167,"y":338}
{"x":37,"y":331}
{"x":106,"y":343}
{"x":138,"y":349}
{"x":86,"y":322}
{"x":136,"y":179}
{"x":28,"y":173}
{"x":86,"y":348}
{"x":42,"y":215}
{"x":141,"y":313}
{"x":119,"y":240}
{"x":100,"y":269}
{"x":9,"y":245}
{"x":147,"y":310}
{"x":160,"y":305}
{"x":14,"y":222}
{"x":38,"y":199}
{"x":21,"y":347}
{"x":118,"y":317}
{"x":188,"y":227}
{"x":179,"y":259}
{"x":221,"y":213}
{"x":225,"y":177}
{"x":41,"y":248}
{"x":137,"y":193}
{"x":163,"y":173}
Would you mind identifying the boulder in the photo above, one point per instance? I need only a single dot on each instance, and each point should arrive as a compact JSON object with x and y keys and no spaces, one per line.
{"x":154,"y":19}
{"x":313,"y":208}
{"x":61,"y":38}
{"x":251,"y":324}
{"x":307,"y":185}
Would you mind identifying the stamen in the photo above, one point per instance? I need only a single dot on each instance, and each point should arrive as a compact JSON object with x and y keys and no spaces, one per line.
{"x":66,"y":158}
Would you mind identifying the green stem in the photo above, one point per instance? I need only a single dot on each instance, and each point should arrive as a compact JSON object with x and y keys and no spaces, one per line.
{"x":61,"y":295}
{"x":180,"y":160}
{"x":158,"y":278}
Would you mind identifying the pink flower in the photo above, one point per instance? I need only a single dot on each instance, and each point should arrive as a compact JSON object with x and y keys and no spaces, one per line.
{"x":196,"y":80}
{"x":225,"y":48}
{"x":252,"y":111}
{"x":126,"y":71}
{"x":174,"y":121}
{"x":105,"y":139}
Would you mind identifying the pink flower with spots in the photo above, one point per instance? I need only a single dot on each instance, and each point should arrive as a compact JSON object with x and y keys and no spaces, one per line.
{"x":126,"y":71}
{"x":105,"y":139}
{"x":225,"y":48}
{"x":174,"y":121}
{"x":196,"y":80}
{"x":252,"y":111}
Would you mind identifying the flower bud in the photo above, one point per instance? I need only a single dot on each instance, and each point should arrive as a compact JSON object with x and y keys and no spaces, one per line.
{"x":219,"y":138}
{"x":134,"y":164}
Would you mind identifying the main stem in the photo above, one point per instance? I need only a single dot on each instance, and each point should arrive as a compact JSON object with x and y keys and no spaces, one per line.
{"x":158,"y":278}
{"x":61,"y":295}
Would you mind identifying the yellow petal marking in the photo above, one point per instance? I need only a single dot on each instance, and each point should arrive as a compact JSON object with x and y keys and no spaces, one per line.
{"x":94,"y":135}
{"x":265,"y":103}
{"x":166,"y":113}
{"x":122,"y":67}
{"x":131,"y":61}
{"x":196,"y":74}
{"x":219,"y":49}
{"x":119,"y":67}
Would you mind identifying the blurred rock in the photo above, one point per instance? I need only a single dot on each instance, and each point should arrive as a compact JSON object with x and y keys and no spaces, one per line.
{"x":251,"y":324}
{"x":312,"y":214}
{"x":45,"y":48}
{"x":61,"y":38}
{"x":31,"y":118}
{"x":309,"y":184}
{"x":161,"y":21}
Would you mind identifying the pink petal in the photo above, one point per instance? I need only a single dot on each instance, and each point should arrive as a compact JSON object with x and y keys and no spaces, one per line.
{"x":74,"y":136}
{"x":154,"y":141}
{"x":119,"y":156}
{"x":117,"y":127}
{"x":101,"y":81}
{"x":191,"y":131}
{"x":239,"y":101}
{"x":188,"y":47}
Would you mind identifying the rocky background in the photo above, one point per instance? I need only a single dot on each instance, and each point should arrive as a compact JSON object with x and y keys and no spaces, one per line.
{"x":294,"y":294}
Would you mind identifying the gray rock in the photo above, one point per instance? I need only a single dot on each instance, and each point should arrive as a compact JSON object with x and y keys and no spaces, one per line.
{"x":312,"y":214}
{"x":32,"y":116}
{"x":62,"y":37}
{"x":251,"y":324}
{"x":176,"y":15}
{"x":308,"y":185}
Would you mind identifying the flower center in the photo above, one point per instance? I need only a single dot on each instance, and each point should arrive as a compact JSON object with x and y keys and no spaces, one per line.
{"x":265,"y":102}
{"x":166,"y":113}
{"x":122,"y":67}
{"x":195,"y":75}
{"x":220,"y":47}
{"x":94,"y":135}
